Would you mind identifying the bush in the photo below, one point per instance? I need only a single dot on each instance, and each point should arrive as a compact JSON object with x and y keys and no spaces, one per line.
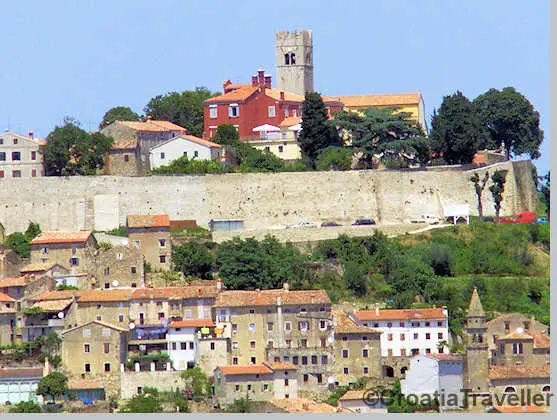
{"x":334,"y":159}
{"x":26,"y":407}
{"x":119,"y":231}
{"x":183,"y":165}
{"x":193,"y":259}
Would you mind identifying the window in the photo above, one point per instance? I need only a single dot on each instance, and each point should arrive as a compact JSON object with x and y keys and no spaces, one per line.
{"x":212,"y":346}
{"x":107,"y":271}
{"x":365,"y":353}
{"x":16,"y":155}
{"x":304,"y":360}
{"x":234,"y":327}
{"x":87,"y":367}
{"x":16,"y":174}
{"x":323,"y":341}
{"x":271,"y":111}
{"x":269,"y":326}
{"x":345,"y":370}
{"x":403,"y":352}
{"x":162,"y":259}
{"x":288,"y":326}
{"x":304,"y":343}
{"x":427,"y":323}
{"x":439,"y":323}
{"x":234,"y":360}
{"x":184,"y":346}
{"x":526,"y":325}
{"x":441,"y":350}
{"x":185,"y":154}
{"x":126,"y":158}
{"x":195,"y":153}
{"x":286,"y":109}
{"x":415,"y":336}
{"x":252,"y":360}
{"x":252,"y":345}
{"x":249,"y":387}
{"x":74,"y":261}
{"x":507,"y":326}
{"x":106,"y":332}
{"x":427,"y":336}
{"x":2,"y":156}
{"x":191,"y":345}
{"x":133,"y":269}
{"x":251,"y":327}
{"x":173,"y":344}
{"x":502,"y":348}
{"x":288,"y":343}
{"x":389,"y":324}
{"x":233,"y":111}
{"x":234,"y":345}
{"x":16,"y":141}
{"x":1,"y":140}
{"x":237,"y":387}
{"x":33,"y":155}
{"x":86,"y":348}
{"x":402,"y":337}
{"x":518,"y":348}
{"x":376,"y":325}
{"x":295,"y":360}
{"x":213,"y":109}
{"x":34,"y":173}
{"x":286,"y":59}
{"x":344,"y":338}
{"x":324,"y":359}
{"x":305,"y":377}
{"x":162,"y":243}
{"x":365,"y":338}
{"x":389,"y":352}
{"x":440,"y":336}
{"x":137,"y":244}
{"x":87,"y":333}
{"x":402,"y":324}
{"x":427,"y":351}
{"x":366,"y":370}
{"x":1,"y":174}
{"x":313,"y":360}
{"x":389,"y":337}
{"x":415,"y":324}
{"x":162,"y":155}
{"x":161,"y":315}
{"x":265,"y":387}
{"x":285,"y":381}
{"x":292,"y":58}
{"x":322,"y":325}
{"x":106,"y":348}
{"x":280,"y":149}
{"x":345,"y":354}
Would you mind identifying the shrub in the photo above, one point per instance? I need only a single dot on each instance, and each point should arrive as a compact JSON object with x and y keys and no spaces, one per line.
{"x":334,"y":159}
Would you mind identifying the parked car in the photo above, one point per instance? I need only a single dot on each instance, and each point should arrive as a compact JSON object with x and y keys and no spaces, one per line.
{"x":542,"y":220}
{"x":329,"y":224}
{"x":361,"y":222}
{"x":302,"y":225}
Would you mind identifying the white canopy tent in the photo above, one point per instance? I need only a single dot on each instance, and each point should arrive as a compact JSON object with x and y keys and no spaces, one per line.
{"x":454,"y":212}
{"x":265,"y":128}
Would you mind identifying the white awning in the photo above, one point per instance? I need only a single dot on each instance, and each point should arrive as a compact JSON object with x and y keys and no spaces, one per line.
{"x":266,"y":127}
{"x":296,"y":127}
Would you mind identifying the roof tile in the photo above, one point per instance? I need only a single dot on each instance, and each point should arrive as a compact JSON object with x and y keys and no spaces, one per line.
{"x":110,"y":295}
{"x":13,"y":281}
{"x":403,"y":314}
{"x":61,"y":237}
{"x":236,"y":298}
{"x":192,"y":323}
{"x":514,"y":372}
{"x":245,"y":370}
{"x":391,"y":99}
{"x":148,"y":220}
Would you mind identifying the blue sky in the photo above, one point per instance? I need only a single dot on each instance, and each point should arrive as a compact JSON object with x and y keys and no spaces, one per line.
{"x":80,"y":58}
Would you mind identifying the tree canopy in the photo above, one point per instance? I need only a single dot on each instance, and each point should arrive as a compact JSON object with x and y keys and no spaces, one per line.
{"x":53,"y":385}
{"x":316,"y":133}
{"x":184,"y":109}
{"x":226,"y":134}
{"x":73,"y":151}
{"x":385,"y":133}
{"x":455,"y":129}
{"x":508,"y":119}
{"x":122,"y":113}
{"x":193,"y":259}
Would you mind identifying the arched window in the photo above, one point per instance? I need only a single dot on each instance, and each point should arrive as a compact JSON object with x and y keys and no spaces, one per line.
{"x":546,"y":388}
{"x":389,"y":372}
{"x":480,"y":338}
{"x":286,"y":58}
{"x":403,"y":370}
{"x":292,"y":58}
{"x":474,"y":338}
{"x":510,"y":389}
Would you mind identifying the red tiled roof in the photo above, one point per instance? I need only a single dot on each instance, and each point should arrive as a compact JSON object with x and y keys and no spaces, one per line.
{"x":236,"y":95}
{"x":345,"y":325}
{"x":245,"y":370}
{"x":513,"y":372}
{"x":516,"y":335}
{"x":61,"y":237}
{"x":148,"y":220}
{"x":58,"y":295}
{"x":152,"y":125}
{"x":110,"y":295}
{"x":290,"y":121}
{"x":32,"y":268}
{"x":406,"y":314}
{"x":391,"y":99}
{"x":53,"y":305}
{"x":521,"y":409}
{"x":193,"y":139}
{"x":13,"y":281}
{"x":96,"y":383}
{"x":236,"y":298}
{"x":541,"y":341}
{"x":21,"y":372}
{"x":5,"y":298}
{"x":192,"y":323}
{"x":175,"y":292}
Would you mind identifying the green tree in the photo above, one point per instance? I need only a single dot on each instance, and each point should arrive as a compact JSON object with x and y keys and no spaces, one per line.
{"x":73,"y":151}
{"x":355,"y":279}
{"x":479,"y":187}
{"x":18,"y":243}
{"x":26,"y":407}
{"x":197,"y":381}
{"x":497,"y":189}
{"x":53,"y":385}
{"x":33,"y":230}
{"x":184,"y":109}
{"x":316,"y":133}
{"x":545,"y":189}
{"x":226,"y":134}
{"x":121,"y":113}
{"x":383,"y":132}
{"x":455,"y":129}
{"x":509,"y":120}
{"x":335,"y":159}
{"x":142,"y":403}
{"x":239,"y":405}
{"x":193,"y":259}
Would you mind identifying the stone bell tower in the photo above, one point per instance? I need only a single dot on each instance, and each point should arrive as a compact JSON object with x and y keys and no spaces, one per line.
{"x":294,"y":52}
{"x":476,"y":368}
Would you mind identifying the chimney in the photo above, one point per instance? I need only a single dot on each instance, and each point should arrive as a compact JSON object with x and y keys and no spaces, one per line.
{"x":267,"y":81}
{"x":254,"y":80}
{"x":376,"y":309}
{"x":261,"y":78}
{"x":282,"y":95}
{"x":286,"y":286}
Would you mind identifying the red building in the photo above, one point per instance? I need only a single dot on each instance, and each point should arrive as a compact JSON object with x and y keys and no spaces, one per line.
{"x":247,"y":106}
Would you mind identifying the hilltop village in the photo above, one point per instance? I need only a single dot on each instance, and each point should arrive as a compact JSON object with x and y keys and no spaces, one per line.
{"x":235,"y":265}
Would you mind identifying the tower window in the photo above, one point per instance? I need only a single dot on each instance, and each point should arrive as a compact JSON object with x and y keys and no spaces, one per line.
{"x":286,"y":58}
{"x":292,"y":58}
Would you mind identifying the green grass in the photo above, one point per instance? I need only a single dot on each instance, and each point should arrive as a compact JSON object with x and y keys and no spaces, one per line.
{"x":198,"y":232}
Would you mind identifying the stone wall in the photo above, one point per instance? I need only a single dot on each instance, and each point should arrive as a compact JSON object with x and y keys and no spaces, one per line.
{"x":162,"y":380}
{"x":261,"y":200}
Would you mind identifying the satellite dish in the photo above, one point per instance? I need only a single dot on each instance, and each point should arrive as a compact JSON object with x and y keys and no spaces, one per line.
{"x":115,"y":283}
{"x":330,"y":339}
{"x":131,"y":325}
{"x":60,"y":315}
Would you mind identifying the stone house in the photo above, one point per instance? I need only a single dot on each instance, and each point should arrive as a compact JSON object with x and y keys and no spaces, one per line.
{"x":357,"y":350}
{"x":521,"y":348}
{"x":129,"y":155}
{"x":519,"y":381}
{"x":185,"y":145}
{"x":21,"y":156}
{"x":150,"y":234}
{"x":7,"y":319}
{"x":95,"y":349}
{"x":75,"y":250}
{"x":506,"y":323}
{"x":119,"y":266}
{"x":111,"y":306}
{"x":280,"y":325}
{"x":354,"y":401}
{"x":26,"y":287}
{"x":258,"y":382}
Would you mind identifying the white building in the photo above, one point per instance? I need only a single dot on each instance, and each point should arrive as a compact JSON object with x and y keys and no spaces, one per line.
{"x":21,"y":156}
{"x":355,"y":401}
{"x":408,"y":332}
{"x":185,"y":145}
{"x":435,"y":373}
{"x":183,"y":341}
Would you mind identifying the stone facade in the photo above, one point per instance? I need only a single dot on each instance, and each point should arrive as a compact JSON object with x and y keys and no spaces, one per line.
{"x":507,"y":323}
{"x":7,"y":319}
{"x":476,"y":362}
{"x":153,"y":242}
{"x":133,"y":382}
{"x":294,"y":54}
{"x":213,"y":352}
{"x":122,"y":162}
{"x":20,"y":156}
{"x":119,"y":266}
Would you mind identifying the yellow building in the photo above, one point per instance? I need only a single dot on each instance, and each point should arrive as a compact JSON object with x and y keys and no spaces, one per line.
{"x":282,"y":141}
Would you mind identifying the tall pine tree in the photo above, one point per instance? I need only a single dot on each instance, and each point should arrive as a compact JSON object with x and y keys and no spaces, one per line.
{"x":316,"y":134}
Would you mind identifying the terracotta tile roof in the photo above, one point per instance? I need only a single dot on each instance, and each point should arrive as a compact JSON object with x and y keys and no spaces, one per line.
{"x":245,"y":370}
{"x":345,"y":325}
{"x":521,"y":409}
{"x":33,"y":268}
{"x":61,"y":237}
{"x":192,"y":323}
{"x":290,"y":121}
{"x":5,"y":298}
{"x":152,"y":125}
{"x":514,"y":372}
{"x":53,"y":305}
{"x":280,"y":365}
{"x":516,"y":335}
{"x":21,"y":372}
{"x":446,"y":357}
{"x":237,"y":95}
{"x":353,"y":395}
{"x":59,"y":295}
{"x":391,"y":99}
{"x":541,"y":341}
{"x":148,"y":220}
{"x":404,"y":314}
{"x":124,"y":144}
{"x":193,"y":139}
{"x":110,"y":295}
{"x":184,"y":292}
{"x":13,"y":281}
{"x":96,"y":383}
{"x":235,"y":298}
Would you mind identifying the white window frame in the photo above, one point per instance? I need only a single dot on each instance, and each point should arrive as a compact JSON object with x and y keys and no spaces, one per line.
{"x":233,"y":109}
{"x":213,"y":111}
{"x":271,"y":111}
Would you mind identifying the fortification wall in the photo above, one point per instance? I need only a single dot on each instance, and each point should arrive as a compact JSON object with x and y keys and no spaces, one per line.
{"x":261,"y":200}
